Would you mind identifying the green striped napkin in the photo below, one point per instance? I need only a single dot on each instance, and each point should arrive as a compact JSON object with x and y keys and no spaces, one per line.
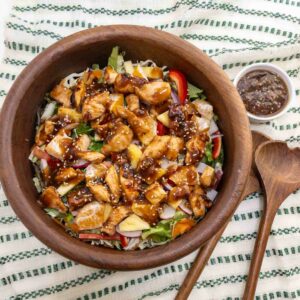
{"x":234,"y":34}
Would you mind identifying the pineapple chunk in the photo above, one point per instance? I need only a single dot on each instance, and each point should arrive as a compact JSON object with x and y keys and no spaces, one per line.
{"x":207,"y":176}
{"x":139,"y":72}
{"x":175,"y":146}
{"x":153,"y":72}
{"x":117,"y":100}
{"x":134,"y":154}
{"x":69,"y":113}
{"x":164,"y":118}
{"x":155,"y":193}
{"x":133,"y":223}
{"x":128,"y":67}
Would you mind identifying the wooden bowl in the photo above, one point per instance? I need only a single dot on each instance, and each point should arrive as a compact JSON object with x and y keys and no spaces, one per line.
{"x":74,"y":54}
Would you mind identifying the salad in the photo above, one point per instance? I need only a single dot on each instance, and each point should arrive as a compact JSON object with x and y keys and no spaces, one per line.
{"x":128,"y":156}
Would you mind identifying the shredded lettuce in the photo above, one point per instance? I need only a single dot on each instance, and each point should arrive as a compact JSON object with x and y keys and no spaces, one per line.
{"x":194,"y":92}
{"x":95,"y":66}
{"x":163,"y":230}
{"x":54,"y":213}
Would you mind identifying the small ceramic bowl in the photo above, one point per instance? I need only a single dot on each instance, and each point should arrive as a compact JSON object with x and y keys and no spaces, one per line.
{"x":283,"y":75}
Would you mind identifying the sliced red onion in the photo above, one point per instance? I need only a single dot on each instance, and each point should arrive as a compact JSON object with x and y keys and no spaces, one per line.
{"x":48,"y":111}
{"x":211,"y":194}
{"x":184,"y":207}
{"x":201,"y":167}
{"x":218,"y":176}
{"x":80,"y":164}
{"x":74,"y":213}
{"x":71,"y":126}
{"x":168,"y":212}
{"x":130,"y":234}
{"x":216,"y":136}
{"x":132,"y":244}
{"x":213,"y":127}
{"x":175,"y":97}
{"x":167,"y":186}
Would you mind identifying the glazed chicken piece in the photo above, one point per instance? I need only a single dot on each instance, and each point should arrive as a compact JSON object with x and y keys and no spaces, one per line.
{"x":113,"y":182}
{"x":101,"y":129}
{"x":157,"y":148}
{"x":197,"y":201}
{"x":155,"y":193}
{"x":51,"y":199}
{"x":61,"y":94}
{"x":110,"y":75}
{"x":79,"y":94}
{"x":44,"y":133}
{"x":70,"y":114}
{"x":154,"y":93}
{"x":119,"y":140}
{"x":65,"y":174}
{"x":144,"y":127}
{"x":177,"y":194}
{"x":82,"y":143}
{"x":147,"y":211}
{"x":127,"y":84}
{"x":79,"y":197}
{"x":59,"y":146}
{"x":133,"y":102}
{"x":118,"y":214}
{"x":92,"y":156}
{"x":129,"y":184}
{"x":95,"y":106}
{"x":195,"y":148}
{"x":150,"y":171}
{"x":99,"y":191}
{"x":95,"y":172}
{"x":175,"y":146}
{"x":185,"y":175}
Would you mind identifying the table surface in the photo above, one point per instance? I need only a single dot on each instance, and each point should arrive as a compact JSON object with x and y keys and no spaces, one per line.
{"x":4,"y":11}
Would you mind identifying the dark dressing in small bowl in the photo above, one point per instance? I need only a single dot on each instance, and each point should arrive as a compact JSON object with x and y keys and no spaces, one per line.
{"x":263,"y":92}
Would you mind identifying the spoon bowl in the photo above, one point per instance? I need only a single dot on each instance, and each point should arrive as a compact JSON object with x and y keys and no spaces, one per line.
{"x":279,"y":169}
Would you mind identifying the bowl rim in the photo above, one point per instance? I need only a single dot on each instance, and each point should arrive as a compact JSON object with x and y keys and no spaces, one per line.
{"x":282,"y":74}
{"x":101,"y":257}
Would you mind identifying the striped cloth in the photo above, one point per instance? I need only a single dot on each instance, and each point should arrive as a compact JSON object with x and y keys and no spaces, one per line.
{"x":234,"y":34}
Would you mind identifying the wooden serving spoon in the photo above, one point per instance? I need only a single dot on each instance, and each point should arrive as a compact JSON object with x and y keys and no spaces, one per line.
{"x":279,"y":169}
{"x":205,"y":252}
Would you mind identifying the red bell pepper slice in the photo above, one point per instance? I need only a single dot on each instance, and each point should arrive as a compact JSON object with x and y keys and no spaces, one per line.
{"x":181,"y":84}
{"x":161,"y":130}
{"x":124,"y":240}
{"x":217,"y":145}
{"x":96,"y":236}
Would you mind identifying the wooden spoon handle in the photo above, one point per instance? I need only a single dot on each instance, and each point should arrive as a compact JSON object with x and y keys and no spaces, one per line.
{"x":259,"y":251}
{"x":198,"y":265}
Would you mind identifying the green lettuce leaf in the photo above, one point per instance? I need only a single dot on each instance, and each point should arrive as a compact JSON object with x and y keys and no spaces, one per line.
{"x":82,"y":128}
{"x":96,"y":146}
{"x":56,"y":214}
{"x":163,"y":230}
{"x":194,"y":92}
{"x":208,"y":159}
{"x":113,"y":59}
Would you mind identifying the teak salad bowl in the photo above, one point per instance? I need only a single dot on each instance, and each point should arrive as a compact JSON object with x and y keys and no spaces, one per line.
{"x":75,"y":53}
